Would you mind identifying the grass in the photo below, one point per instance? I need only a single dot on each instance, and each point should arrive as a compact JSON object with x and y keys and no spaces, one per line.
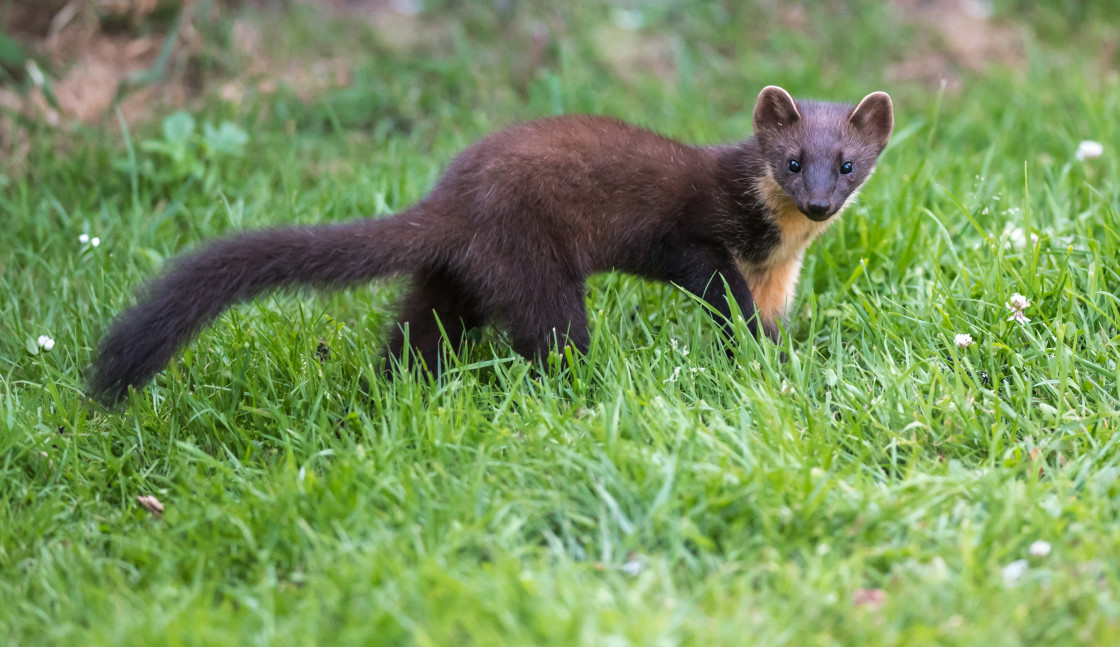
{"x":660,"y":493}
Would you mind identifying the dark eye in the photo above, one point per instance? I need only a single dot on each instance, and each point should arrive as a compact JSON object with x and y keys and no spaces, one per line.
{"x":846,"y":168}
{"x":794,"y":166}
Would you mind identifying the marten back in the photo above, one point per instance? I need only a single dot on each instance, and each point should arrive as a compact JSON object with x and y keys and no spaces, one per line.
{"x":587,"y":185}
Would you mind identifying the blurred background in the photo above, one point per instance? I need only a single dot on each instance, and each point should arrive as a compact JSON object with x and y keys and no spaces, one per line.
{"x":68,"y":63}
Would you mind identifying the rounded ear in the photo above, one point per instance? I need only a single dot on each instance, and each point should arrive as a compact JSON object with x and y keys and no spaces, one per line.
{"x":775,"y":109}
{"x":874,"y":118}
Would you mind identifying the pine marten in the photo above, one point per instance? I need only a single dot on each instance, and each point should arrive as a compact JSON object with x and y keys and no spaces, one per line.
{"x":520,"y":219}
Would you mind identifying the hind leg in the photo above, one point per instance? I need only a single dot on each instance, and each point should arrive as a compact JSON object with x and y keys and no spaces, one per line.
{"x":435,"y":315}
{"x":555,"y":319}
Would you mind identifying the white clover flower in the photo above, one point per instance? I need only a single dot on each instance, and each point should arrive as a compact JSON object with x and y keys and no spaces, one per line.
{"x":95,"y":241}
{"x":1014,"y":571}
{"x":46,"y":343}
{"x":1016,"y":237}
{"x":1017,"y":304}
{"x":1089,"y":149}
{"x":83,"y":239}
{"x":963,"y":340}
{"x":632,"y":568}
{"x":1039,"y":548}
{"x":627,"y":19}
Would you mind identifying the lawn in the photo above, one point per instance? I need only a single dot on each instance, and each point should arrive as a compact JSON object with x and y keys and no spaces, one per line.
{"x":884,"y":486}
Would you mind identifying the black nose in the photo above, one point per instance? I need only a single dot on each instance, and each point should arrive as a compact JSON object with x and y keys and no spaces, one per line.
{"x":818,"y":208}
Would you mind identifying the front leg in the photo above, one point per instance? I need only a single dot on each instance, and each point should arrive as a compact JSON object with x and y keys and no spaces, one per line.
{"x":710,"y":274}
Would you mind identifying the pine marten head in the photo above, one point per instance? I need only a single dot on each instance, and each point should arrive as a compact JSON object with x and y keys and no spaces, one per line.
{"x":821,"y":153}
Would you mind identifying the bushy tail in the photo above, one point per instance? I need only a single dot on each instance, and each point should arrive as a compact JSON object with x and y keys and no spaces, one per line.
{"x":200,"y":286}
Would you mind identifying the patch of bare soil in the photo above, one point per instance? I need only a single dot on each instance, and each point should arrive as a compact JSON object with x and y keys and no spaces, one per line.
{"x":954,"y":36}
{"x":136,"y":54}
{"x":85,"y":54}
{"x":86,"y":58}
{"x":95,"y":57}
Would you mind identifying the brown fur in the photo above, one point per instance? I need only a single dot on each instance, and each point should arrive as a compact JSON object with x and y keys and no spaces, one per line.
{"x":518,"y":222}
